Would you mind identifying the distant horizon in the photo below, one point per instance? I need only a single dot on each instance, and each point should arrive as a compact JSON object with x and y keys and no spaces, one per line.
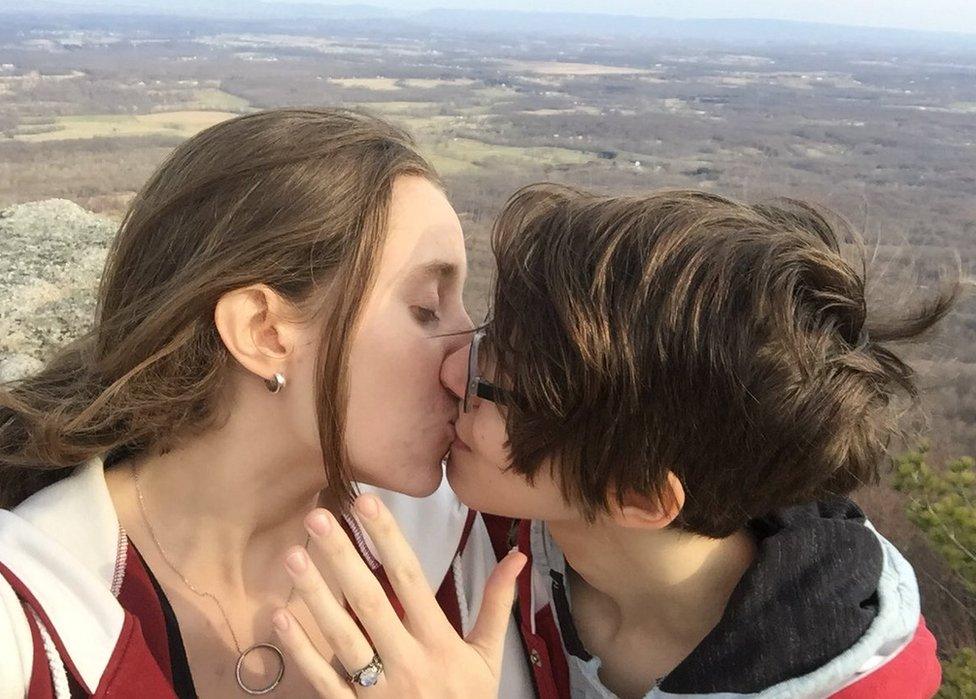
{"x":944,"y":16}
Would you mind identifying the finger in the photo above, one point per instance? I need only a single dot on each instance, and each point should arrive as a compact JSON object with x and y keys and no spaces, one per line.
{"x":348,"y":642}
{"x":360,"y":587}
{"x":320,"y":674}
{"x":402,"y":567}
{"x":488,"y":634}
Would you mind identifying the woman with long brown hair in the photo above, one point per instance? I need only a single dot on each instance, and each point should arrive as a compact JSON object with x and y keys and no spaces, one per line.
{"x":271,"y":324}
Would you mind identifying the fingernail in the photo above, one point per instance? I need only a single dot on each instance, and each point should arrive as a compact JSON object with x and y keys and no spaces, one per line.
{"x":280,"y":620}
{"x":515,"y":553}
{"x":297,"y":561}
{"x":367,"y":506}
{"x":319,"y":523}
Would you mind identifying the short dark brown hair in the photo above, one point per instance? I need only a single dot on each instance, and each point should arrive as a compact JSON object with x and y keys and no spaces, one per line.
{"x":683,"y":331}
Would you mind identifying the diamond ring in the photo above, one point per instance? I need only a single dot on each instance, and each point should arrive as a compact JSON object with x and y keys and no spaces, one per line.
{"x":368,"y":675}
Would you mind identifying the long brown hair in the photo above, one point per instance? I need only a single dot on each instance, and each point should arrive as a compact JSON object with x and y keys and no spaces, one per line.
{"x":730,"y":344}
{"x":296,"y":199}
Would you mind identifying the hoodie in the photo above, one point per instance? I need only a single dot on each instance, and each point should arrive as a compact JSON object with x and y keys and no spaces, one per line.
{"x":829,"y":608}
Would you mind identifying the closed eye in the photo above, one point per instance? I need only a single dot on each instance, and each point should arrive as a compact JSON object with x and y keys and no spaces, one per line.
{"x":425,"y":315}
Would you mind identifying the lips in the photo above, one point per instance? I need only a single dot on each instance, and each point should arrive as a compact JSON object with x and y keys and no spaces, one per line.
{"x":459,"y":443}
{"x":452,"y":432}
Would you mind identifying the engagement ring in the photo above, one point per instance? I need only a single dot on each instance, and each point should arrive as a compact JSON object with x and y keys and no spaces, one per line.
{"x":370,"y":674}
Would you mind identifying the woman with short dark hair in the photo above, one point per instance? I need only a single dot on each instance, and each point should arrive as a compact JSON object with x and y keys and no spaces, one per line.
{"x":673,"y":398}
{"x":675,"y":394}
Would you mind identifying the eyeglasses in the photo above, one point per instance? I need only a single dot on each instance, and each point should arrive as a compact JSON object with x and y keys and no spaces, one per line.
{"x":476,"y":385}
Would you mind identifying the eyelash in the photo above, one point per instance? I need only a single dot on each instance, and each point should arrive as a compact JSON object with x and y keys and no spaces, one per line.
{"x":426,"y":315}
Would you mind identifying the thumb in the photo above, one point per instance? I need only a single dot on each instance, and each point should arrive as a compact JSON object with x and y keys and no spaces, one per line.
{"x":488,"y":634}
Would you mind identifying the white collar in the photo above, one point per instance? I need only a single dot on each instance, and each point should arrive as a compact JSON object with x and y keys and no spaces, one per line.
{"x":62,"y":544}
{"x":432,"y":525}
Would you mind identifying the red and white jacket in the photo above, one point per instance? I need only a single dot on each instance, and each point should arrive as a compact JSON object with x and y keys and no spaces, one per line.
{"x":830,"y":609}
{"x":79,"y":615}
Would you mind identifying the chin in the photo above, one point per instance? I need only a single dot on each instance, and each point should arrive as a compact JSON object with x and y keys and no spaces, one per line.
{"x":419,"y":483}
{"x":464,"y":491}
{"x":419,"y":490}
{"x":482,"y":496}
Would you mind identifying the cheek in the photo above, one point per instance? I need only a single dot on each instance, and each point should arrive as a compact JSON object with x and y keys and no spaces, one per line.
{"x":395,"y":376}
{"x":480,"y":478}
{"x":490,"y":437}
{"x":397,"y":421}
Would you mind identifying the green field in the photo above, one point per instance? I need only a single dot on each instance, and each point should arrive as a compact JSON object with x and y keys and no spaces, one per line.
{"x":213,"y":99}
{"x":454,"y":154}
{"x":380,"y":83}
{"x":184,"y":124}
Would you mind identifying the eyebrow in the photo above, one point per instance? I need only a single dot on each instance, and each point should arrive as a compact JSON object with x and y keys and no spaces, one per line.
{"x":438,"y":269}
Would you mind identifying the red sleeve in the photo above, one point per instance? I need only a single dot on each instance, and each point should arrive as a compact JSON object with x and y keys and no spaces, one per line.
{"x":914,"y":673}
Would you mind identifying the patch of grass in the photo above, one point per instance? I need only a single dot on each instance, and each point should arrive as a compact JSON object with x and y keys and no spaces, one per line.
{"x":183,"y":124}
{"x":426,"y":84}
{"x":583,"y":109}
{"x":455,"y":154}
{"x":389,"y":84}
{"x":367,"y":83}
{"x":452,"y":154}
{"x":565,"y":68}
{"x":214,"y":99}
{"x":398,"y":108}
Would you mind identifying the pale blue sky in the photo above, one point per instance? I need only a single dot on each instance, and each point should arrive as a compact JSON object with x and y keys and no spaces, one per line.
{"x":939,"y":15}
{"x":945,"y":15}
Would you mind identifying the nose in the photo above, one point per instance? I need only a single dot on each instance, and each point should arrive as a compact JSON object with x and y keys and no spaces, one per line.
{"x":454,"y":371}
{"x":466,"y":324}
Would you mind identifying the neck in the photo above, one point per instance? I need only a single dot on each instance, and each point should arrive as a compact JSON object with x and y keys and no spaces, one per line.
{"x":677,"y":584}
{"x":224,"y":505}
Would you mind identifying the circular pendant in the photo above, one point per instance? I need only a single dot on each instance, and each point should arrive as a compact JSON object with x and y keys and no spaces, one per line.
{"x":281,"y":668}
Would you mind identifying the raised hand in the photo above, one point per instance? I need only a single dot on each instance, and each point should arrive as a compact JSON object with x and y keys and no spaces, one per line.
{"x":421,"y":656}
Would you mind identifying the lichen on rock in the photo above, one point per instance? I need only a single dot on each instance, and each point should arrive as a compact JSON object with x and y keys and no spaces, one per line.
{"x":51,"y":258}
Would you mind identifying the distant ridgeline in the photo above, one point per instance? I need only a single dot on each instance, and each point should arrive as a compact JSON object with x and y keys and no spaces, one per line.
{"x":51,"y":255}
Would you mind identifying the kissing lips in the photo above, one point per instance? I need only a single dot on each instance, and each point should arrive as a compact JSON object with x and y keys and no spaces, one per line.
{"x":459,"y":444}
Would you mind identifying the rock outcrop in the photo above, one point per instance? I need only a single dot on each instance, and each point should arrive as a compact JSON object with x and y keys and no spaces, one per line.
{"x":51,"y":257}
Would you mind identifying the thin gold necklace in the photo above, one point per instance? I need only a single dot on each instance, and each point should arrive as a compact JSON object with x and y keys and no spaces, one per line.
{"x":241,"y":654}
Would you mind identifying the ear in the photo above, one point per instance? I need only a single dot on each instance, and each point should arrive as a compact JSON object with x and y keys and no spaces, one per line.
{"x":254,"y":324}
{"x":648,"y":511}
